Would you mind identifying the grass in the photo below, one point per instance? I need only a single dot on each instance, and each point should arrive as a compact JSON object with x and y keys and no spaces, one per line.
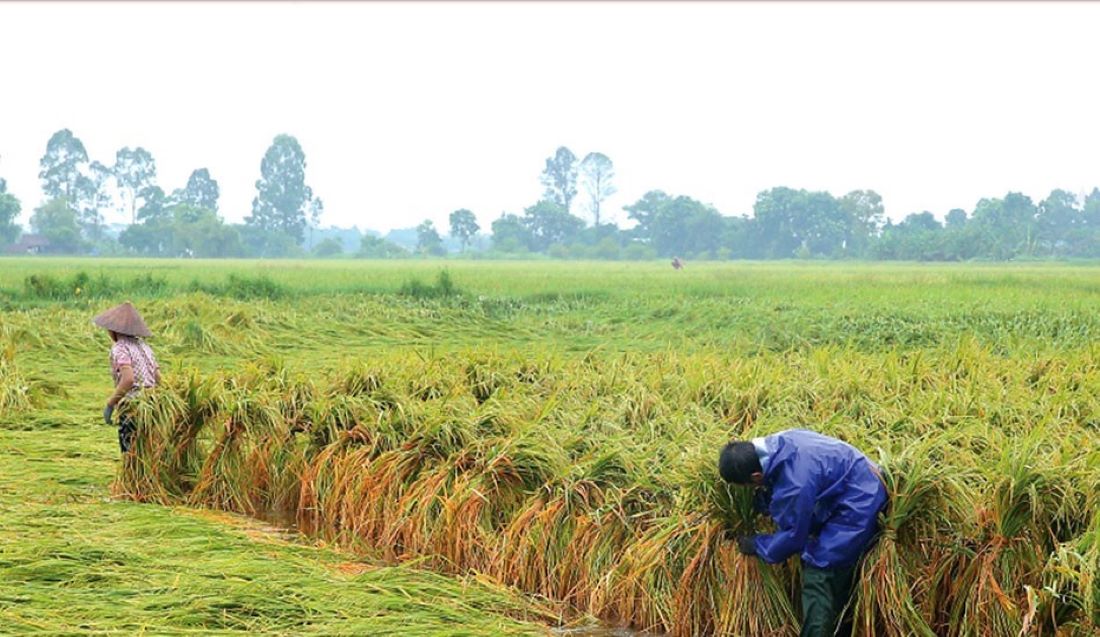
{"x":548,"y":428}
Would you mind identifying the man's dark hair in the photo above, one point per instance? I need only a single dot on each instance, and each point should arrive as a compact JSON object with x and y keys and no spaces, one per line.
{"x":738,"y":461}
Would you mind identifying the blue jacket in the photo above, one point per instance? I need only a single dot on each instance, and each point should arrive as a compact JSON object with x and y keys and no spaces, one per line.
{"x":824,"y":496}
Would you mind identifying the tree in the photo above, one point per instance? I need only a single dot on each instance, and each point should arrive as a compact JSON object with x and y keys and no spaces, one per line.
{"x":1008,"y":226}
{"x":155,"y":205}
{"x":560,"y":178}
{"x":598,"y":173}
{"x":371,"y":247}
{"x":282,"y":194}
{"x":464,"y":226}
{"x":266,"y":243}
{"x":316,"y":209}
{"x":62,"y":165}
{"x":56,"y":221}
{"x":92,"y":195}
{"x":9,"y":211}
{"x":201,"y":191}
{"x":1059,"y":221}
{"x":645,"y":212}
{"x":330,"y":247}
{"x":677,"y":226}
{"x":428,"y":240}
{"x":549,"y":223}
{"x":510,"y":234}
{"x":866,"y":216}
{"x":799,"y":221}
{"x":956,"y":218}
{"x":919,"y":237}
{"x":136,"y":171}
{"x":198,"y":232}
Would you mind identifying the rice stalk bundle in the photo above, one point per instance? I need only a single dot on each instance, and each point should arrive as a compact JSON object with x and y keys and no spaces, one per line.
{"x":926,"y":500}
{"x":1008,"y":553}
{"x":593,"y":482}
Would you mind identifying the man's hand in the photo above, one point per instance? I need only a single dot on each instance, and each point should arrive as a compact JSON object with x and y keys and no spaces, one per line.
{"x":746,"y":544}
{"x":108,"y":411}
{"x":761,"y":498}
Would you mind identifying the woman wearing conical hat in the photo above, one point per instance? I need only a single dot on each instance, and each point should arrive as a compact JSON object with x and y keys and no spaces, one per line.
{"x":133,"y":366}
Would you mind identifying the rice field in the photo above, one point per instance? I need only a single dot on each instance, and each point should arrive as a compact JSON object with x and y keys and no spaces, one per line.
{"x":502,"y":447}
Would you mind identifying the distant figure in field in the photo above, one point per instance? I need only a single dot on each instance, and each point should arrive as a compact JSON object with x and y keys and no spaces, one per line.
{"x":824,"y":496}
{"x":677,"y":264}
{"x":133,"y":366}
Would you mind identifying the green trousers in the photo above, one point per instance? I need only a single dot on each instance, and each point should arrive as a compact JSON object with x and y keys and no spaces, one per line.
{"x":825,"y":593}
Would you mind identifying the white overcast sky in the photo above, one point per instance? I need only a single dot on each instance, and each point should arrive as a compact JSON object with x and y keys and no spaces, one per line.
{"x":409,"y":111}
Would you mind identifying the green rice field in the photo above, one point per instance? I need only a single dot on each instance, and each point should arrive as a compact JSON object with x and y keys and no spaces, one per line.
{"x":492,"y":447}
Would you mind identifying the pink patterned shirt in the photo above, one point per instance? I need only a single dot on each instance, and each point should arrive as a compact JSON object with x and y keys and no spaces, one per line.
{"x":131,"y":351}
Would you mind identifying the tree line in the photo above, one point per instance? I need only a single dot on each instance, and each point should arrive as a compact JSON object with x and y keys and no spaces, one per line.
{"x":568,"y":221}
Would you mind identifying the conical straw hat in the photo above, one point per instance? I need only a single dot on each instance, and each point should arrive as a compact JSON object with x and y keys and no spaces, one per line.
{"x":123,"y":319}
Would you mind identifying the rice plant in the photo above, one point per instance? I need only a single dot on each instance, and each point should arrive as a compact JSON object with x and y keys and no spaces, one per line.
{"x":593,"y":483}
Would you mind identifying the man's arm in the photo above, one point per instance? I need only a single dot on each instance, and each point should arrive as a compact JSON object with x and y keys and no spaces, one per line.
{"x":792,"y":508}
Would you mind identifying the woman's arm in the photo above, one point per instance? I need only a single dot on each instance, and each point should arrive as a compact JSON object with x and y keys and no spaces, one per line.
{"x":125,"y":382}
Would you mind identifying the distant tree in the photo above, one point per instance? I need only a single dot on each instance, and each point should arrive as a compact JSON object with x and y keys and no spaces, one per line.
{"x":155,"y":204}
{"x":1008,"y":226}
{"x":549,"y":223}
{"x":923,"y":221}
{"x":57,"y":222}
{"x":463,"y":226}
{"x":645,"y":213}
{"x":201,"y":191}
{"x":956,"y":218}
{"x":428,"y":240}
{"x":678,"y":226}
{"x":560,"y":178}
{"x":372,"y":247}
{"x":62,"y":165}
{"x":1059,"y":222}
{"x":93,"y":195}
{"x":599,"y":174}
{"x":9,"y":212}
{"x":282,"y":194}
{"x":316,"y":209}
{"x":1091,"y":208}
{"x":510,"y":234}
{"x":200,"y":232}
{"x":152,"y":237}
{"x":865,"y":218}
{"x":267,"y":242}
{"x":135,"y":170}
{"x":919,"y":237}
{"x":330,"y":247}
{"x":810,"y":223}
{"x":777,"y":216}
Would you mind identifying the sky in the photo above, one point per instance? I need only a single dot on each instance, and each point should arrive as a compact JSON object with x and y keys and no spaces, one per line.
{"x":408,"y":111}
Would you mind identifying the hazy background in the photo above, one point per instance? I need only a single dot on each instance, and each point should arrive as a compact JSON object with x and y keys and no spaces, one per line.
{"x":409,"y":111}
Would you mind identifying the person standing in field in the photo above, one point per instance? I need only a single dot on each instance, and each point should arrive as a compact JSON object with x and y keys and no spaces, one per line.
{"x":825,"y":497}
{"x":133,"y":365}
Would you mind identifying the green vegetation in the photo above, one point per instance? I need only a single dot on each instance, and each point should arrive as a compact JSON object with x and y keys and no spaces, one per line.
{"x":569,"y":221}
{"x":551,"y":428}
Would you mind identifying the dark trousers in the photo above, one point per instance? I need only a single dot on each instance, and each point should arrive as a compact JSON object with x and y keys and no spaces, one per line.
{"x":126,"y":431}
{"x":825,"y":593}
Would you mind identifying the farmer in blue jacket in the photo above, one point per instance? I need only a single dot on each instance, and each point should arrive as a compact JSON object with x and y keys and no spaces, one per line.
{"x":824,"y":496}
